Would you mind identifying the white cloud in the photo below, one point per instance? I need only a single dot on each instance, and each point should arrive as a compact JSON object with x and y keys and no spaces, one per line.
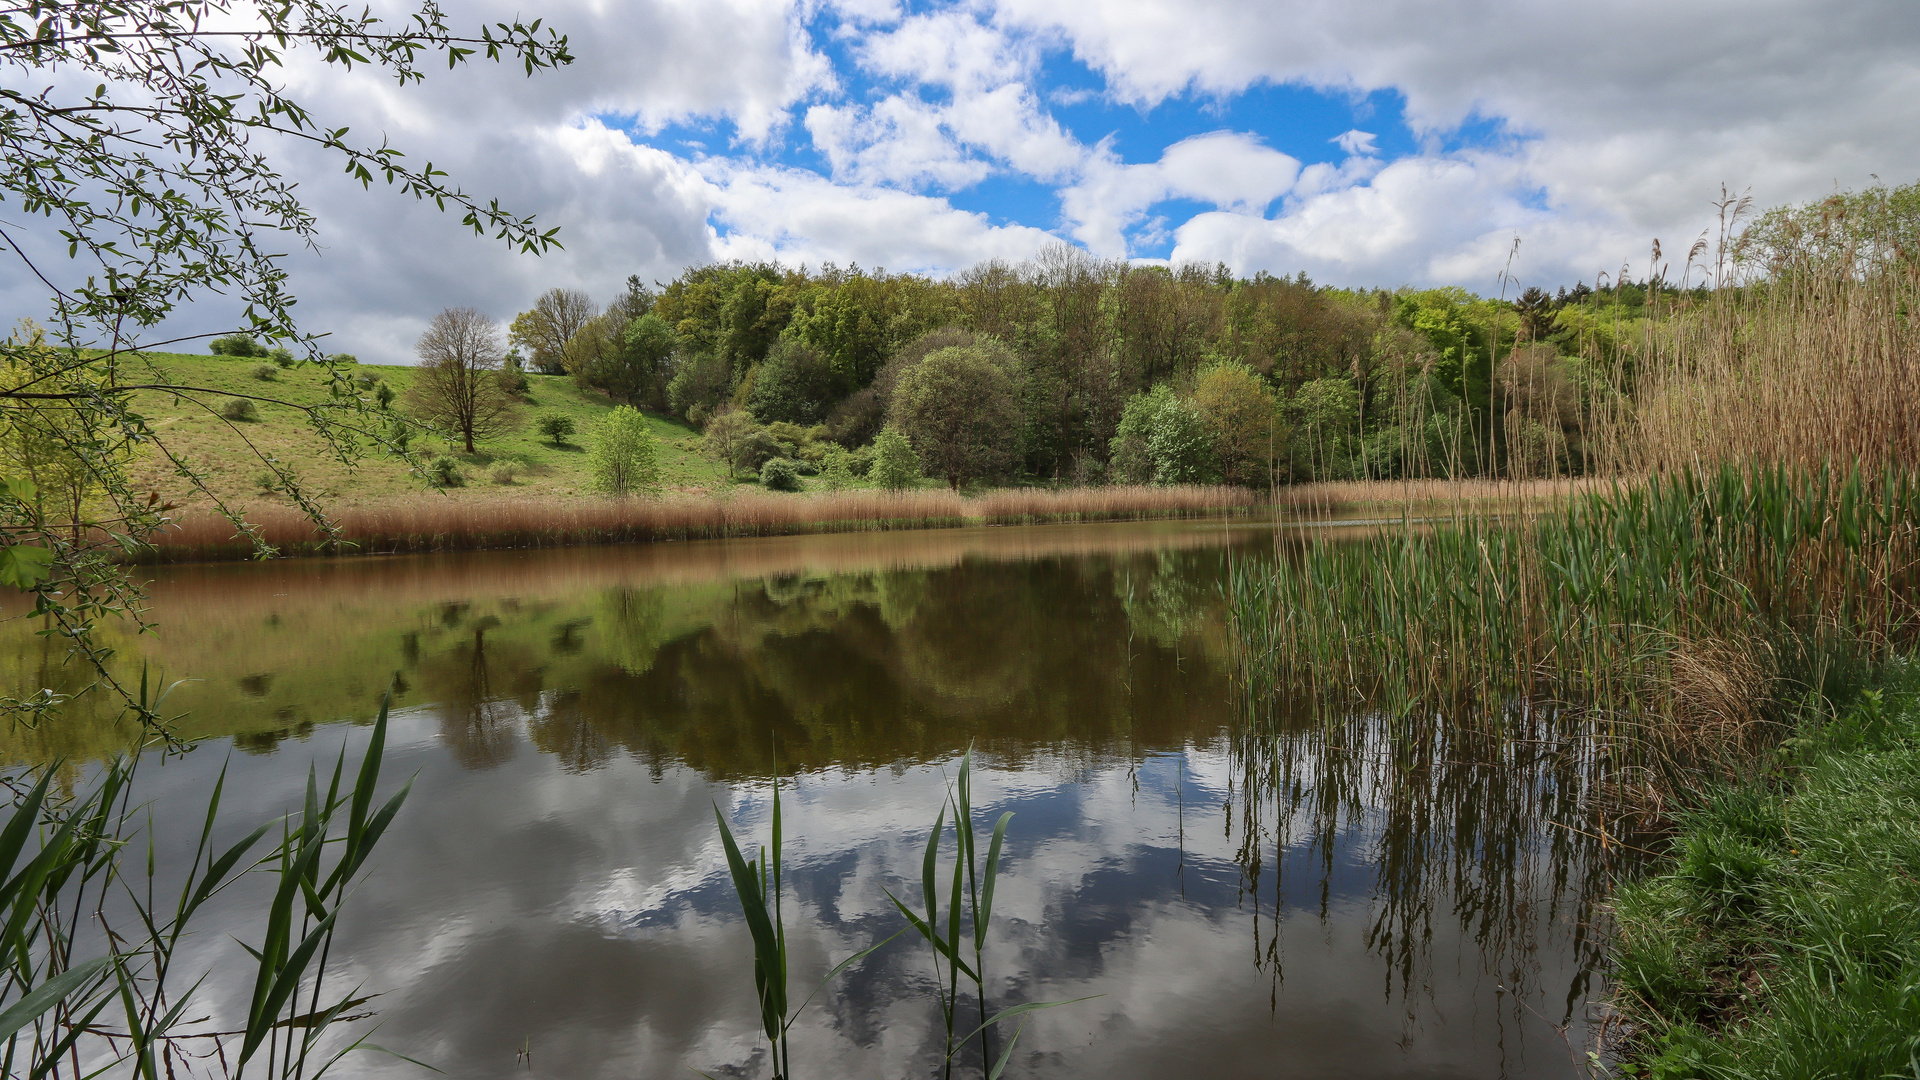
{"x":1356,"y":142}
{"x":1229,"y":170}
{"x":1616,"y":124}
{"x":799,"y":217}
{"x":1631,"y":114}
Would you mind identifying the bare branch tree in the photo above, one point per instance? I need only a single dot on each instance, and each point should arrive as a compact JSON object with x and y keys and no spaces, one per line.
{"x":458,"y":389}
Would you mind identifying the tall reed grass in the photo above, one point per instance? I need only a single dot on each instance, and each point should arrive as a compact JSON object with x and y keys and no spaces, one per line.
{"x":1805,"y":354}
{"x":440,"y":524}
{"x":1680,"y":609}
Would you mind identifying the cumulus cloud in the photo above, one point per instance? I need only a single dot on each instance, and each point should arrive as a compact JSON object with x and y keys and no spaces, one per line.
{"x":1626,"y":117}
{"x":800,"y":217}
{"x":1232,"y":171}
{"x":847,"y":130}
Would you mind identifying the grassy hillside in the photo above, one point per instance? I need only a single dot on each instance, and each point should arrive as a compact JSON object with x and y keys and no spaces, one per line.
{"x":220,"y":448}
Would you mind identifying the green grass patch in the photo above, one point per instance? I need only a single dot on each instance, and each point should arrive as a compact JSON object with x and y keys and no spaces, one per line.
{"x":228,"y":453}
{"x":1782,"y":940}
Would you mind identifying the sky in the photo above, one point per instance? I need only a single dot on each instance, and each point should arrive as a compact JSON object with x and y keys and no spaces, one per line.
{"x":1397,"y":142}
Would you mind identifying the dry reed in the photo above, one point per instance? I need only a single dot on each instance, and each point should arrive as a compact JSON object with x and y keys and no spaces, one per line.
{"x":1806,"y":357}
{"x":439,"y":524}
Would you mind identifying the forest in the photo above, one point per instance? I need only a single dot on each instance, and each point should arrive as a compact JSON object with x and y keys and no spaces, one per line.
{"x":1106,"y":371}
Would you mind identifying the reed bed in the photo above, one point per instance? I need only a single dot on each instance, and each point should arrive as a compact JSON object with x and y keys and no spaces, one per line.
{"x":1807,"y":357}
{"x":442,"y":524}
{"x":1680,"y":612}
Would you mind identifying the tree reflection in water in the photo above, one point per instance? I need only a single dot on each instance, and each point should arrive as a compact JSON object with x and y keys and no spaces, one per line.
{"x":1089,"y":666}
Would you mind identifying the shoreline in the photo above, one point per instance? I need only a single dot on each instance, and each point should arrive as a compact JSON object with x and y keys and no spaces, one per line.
{"x":414,"y":525}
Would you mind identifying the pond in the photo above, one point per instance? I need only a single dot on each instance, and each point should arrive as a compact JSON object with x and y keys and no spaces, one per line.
{"x":553,"y":901}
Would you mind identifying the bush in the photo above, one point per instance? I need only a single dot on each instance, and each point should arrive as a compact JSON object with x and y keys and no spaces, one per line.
{"x":344,"y":358}
{"x":266,"y":480}
{"x":506,"y":472}
{"x":266,"y":372}
{"x":240,"y":346}
{"x":367,"y":381}
{"x":779,"y":474}
{"x":444,"y":471}
{"x":556,"y":427}
{"x":860,"y":462}
{"x":624,"y":458}
{"x":895,"y":466}
{"x":240,"y":409}
{"x":383,"y":394}
{"x":281,"y":355}
{"x":835,"y":475}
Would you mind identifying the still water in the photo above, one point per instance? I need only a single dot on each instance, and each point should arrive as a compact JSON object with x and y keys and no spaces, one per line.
{"x":553,"y":901}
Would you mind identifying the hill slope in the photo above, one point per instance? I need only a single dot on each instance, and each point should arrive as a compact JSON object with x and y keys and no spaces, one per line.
{"x":228,"y":452}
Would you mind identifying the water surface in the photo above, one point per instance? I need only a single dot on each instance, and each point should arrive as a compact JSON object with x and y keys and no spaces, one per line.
{"x":553,"y":901}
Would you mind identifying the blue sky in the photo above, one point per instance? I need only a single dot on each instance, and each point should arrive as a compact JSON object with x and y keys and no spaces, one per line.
{"x":1397,"y":142}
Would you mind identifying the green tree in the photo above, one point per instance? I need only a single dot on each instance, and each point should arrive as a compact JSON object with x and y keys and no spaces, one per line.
{"x":895,"y":465}
{"x":544,"y":329}
{"x":836,"y":471}
{"x":728,"y":436}
{"x":557,"y":427}
{"x":1242,"y":417}
{"x":1326,"y":414}
{"x":1168,"y":431}
{"x":242,"y":346}
{"x":961,"y":408}
{"x":701,"y":382}
{"x":624,"y":458}
{"x":631,"y":372}
{"x":795,"y":385}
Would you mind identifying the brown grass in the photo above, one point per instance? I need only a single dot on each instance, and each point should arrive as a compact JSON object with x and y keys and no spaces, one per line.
{"x":428,"y":523}
{"x":1810,"y":358}
{"x":1340,"y":495}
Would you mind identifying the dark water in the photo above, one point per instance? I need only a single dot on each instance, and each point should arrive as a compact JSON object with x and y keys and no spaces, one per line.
{"x":553,"y":900}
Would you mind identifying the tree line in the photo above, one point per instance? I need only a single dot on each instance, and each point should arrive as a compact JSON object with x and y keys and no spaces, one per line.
{"x":1068,"y":368}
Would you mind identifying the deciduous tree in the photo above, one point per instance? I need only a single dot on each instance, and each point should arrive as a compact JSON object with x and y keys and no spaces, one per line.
{"x":456,"y":389}
{"x":624,"y":458}
{"x":961,"y":409}
{"x":544,"y":330}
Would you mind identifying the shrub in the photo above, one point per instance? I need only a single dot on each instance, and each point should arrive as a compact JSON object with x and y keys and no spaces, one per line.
{"x":344,"y":358}
{"x":241,"y":346}
{"x":444,"y":471}
{"x":895,"y":466}
{"x":367,"y":380}
{"x":860,"y":462}
{"x":506,"y":472}
{"x":266,"y":372}
{"x":383,"y":394}
{"x":835,"y":474}
{"x":266,"y":480}
{"x":281,"y":355}
{"x":556,"y":427}
{"x":624,"y":458}
{"x":240,"y":409}
{"x":779,"y":474}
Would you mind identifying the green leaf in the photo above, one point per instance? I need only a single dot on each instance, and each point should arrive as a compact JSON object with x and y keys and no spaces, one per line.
{"x":48,"y":994}
{"x":25,"y":566}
